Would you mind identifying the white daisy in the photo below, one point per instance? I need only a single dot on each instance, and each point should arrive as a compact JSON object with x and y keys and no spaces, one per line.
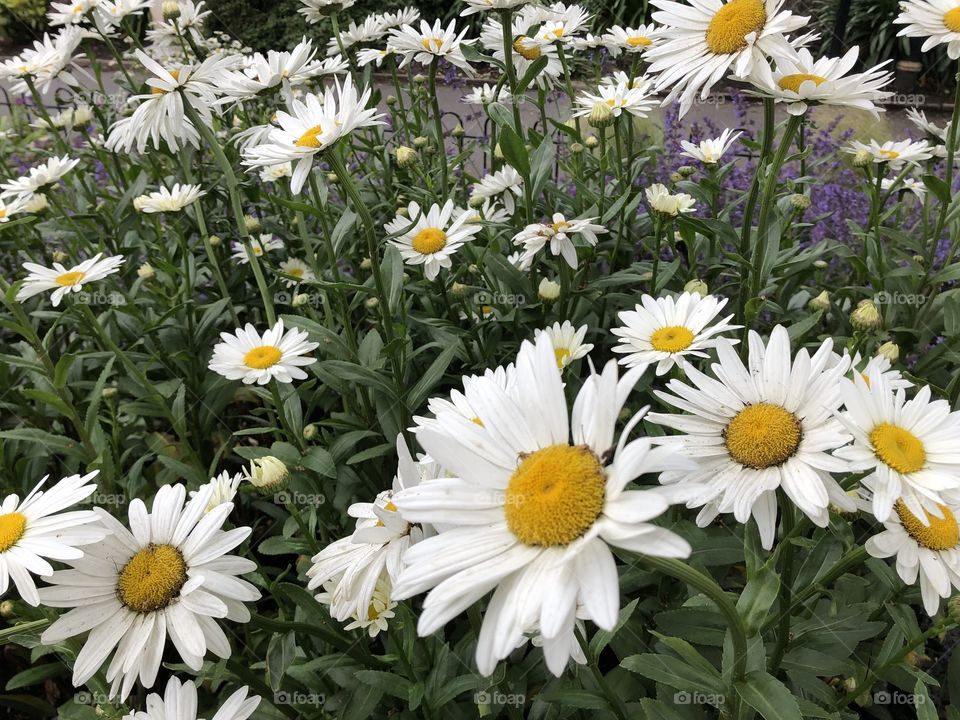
{"x":910,"y":447}
{"x":457,"y":401}
{"x":179,"y":702}
{"x":700,"y":43}
{"x":486,"y":94}
{"x":936,"y":20}
{"x":63,"y":281}
{"x":896,"y":153}
{"x":111,"y":13}
{"x":316,"y":10}
{"x":223,"y":488}
{"x":933,"y":131}
{"x":667,"y":203}
{"x":629,"y":40}
{"x":633,"y":98}
{"x":298,"y":270}
{"x":370,"y":30}
{"x":264,"y":244}
{"x":164,"y":201}
{"x":376,"y":56}
{"x":665,"y":330}
{"x":312,"y":125}
{"x":376,"y":547}
{"x":73,"y":12}
{"x":799,"y":81}
{"x":39,"y":177}
{"x":275,"y":173}
{"x":35,"y":530}
{"x":9,"y":209}
{"x":759,"y":428}
{"x":558,"y":234}
{"x":166,"y":34}
{"x":278,"y":69}
{"x":504,"y":184}
{"x":482,"y":6}
{"x":877,"y":363}
{"x":711,"y":150}
{"x":170,"y":575}
{"x":562,"y":24}
{"x":927,"y":548}
{"x":430,"y":238}
{"x":535,"y":498}
{"x":429,"y":43}
{"x":48,"y":60}
{"x":276,"y":355}
{"x":907,"y":184}
{"x":526,"y":49}
{"x":567,"y":341}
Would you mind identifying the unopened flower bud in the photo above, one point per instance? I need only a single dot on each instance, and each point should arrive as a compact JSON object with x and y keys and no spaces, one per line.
{"x":800,"y":201}
{"x":675,"y":177}
{"x":332,"y":178}
{"x":862,"y":158}
{"x":268,"y":474}
{"x":686,"y":171}
{"x":866,"y":316}
{"x":371,"y":302}
{"x":299,"y":300}
{"x":697,"y":286}
{"x":6,"y":609}
{"x":820,"y":264}
{"x":601,"y":116}
{"x":820,"y":302}
{"x":476,"y":202}
{"x":109,"y":392}
{"x":498,"y":152}
{"x":890,"y":350}
{"x":403,"y":212}
{"x":953,"y":607}
{"x":576,"y":148}
{"x":420,"y":141}
{"x":310,"y":432}
{"x":146,"y":272}
{"x":391,"y":100}
{"x":458,"y":132}
{"x":251,"y":223}
{"x":36,"y":204}
{"x":59,"y":256}
{"x":419,"y":79}
{"x":406,"y":156}
{"x":591,"y":141}
{"x":548,"y":290}
{"x":366,"y":264}
{"x":919,"y":259}
{"x":458,"y":291}
{"x":170,"y":9}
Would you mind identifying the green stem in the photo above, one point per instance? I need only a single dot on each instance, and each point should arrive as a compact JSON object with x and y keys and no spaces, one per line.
{"x":438,"y":127}
{"x":615,"y":702}
{"x":506,"y":21}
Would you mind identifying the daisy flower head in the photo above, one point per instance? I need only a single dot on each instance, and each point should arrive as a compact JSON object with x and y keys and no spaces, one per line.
{"x":486,"y":94}
{"x":73,"y":12}
{"x":877,"y":363}
{"x":711,"y":150}
{"x":168,"y":575}
{"x":429,"y":43}
{"x":533,"y":497}
{"x":275,"y":173}
{"x":223,"y":488}
{"x":933,"y":131}
{"x":504,"y":376}
{"x":629,"y":40}
{"x":481,"y":6}
{"x":526,"y":48}
{"x":631,"y":98}
{"x":254,"y":358}
{"x":562,"y":24}
{"x":558,"y":233}
{"x":275,"y":69}
{"x":936,"y":20}
{"x":312,"y":125}
{"x":371,"y":30}
{"x":179,"y":702}
{"x":35,"y":530}
{"x":351,"y":568}
{"x":896,"y":153}
{"x":165,"y":201}
{"x":907,"y":184}
{"x":926,"y":549}
{"x":567,"y":341}
{"x":49,"y":59}
{"x":189,"y":21}
{"x":63,"y":281}
{"x":800,"y":81}
{"x":111,"y":13}
{"x":39,"y":177}
{"x":758,"y":428}
{"x":258,"y":246}
{"x":666,"y":203}
{"x":505,"y":184}
{"x":700,"y":43}
{"x":16,"y":205}
{"x":665,"y":330}
{"x":316,"y":10}
{"x":909,"y":447}
{"x":431,"y":237}
{"x":298,"y":270}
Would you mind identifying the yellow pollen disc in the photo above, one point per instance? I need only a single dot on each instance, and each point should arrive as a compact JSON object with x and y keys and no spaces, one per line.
{"x":310,"y":139}
{"x":561,"y":354}
{"x":152,"y":578}
{"x":531,"y":52}
{"x":951,"y":20}
{"x":68,"y":279}
{"x":889,"y":154}
{"x":728,"y":30}
{"x":295,"y":272}
{"x":390,"y":507}
{"x":898,"y":448}
{"x":161,"y":91}
{"x":555,"y":495}
{"x":429,"y":240}
{"x":12,"y":527}
{"x":940,"y":534}
{"x":793,"y":82}
{"x":3,"y":213}
{"x":639,"y":41}
{"x":563,"y":224}
{"x":432,"y":44}
{"x":262,"y":357}
{"x":671,"y":339}
{"x":762,"y":436}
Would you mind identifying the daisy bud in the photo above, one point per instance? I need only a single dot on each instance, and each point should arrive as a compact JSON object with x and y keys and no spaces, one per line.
{"x":251,"y":223}
{"x":686,"y":171}
{"x":675,"y":177}
{"x":919,"y":259}
{"x":953,"y":607}
{"x":419,"y":79}
{"x":6,"y":609}
{"x":458,"y":291}
{"x":866,"y":316}
{"x":697,"y":286}
{"x":59,"y":256}
{"x":475,"y":202}
{"x":109,"y":392}
{"x":420,"y":142}
{"x":406,"y":156}
{"x":498,"y":152}
{"x":429,"y":150}
{"x":171,"y":10}
{"x":800,"y":201}
{"x":268,"y":474}
{"x":601,"y":116}
{"x":862,"y":158}
{"x":403,"y":212}
{"x":548,"y":290}
{"x":214,"y":240}
{"x":576,"y":148}
{"x":391,"y":100}
{"x":890,"y":350}
{"x":473,"y":269}
{"x":310,"y":432}
{"x":36,"y":204}
{"x":365,"y":264}
{"x":371,"y":302}
{"x":146,"y":272}
{"x":591,"y":141}
{"x":332,"y":178}
{"x":406,"y":278}
{"x":820,"y":302}
{"x":849,"y":684}
{"x":820,"y":264}
{"x":458,"y":132}
{"x":299,"y":300}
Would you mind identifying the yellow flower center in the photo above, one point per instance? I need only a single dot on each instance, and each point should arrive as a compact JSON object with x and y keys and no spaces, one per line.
{"x":639,"y":41}
{"x":793,"y":82}
{"x":951,"y":20}
{"x":429,"y":240}
{"x":728,"y":30}
{"x":310,"y":139}
{"x":671,"y":339}
{"x":555,"y":495}
{"x":531,"y":52}
{"x":432,"y":44}
{"x":3,"y":212}
{"x":152,"y":578}
{"x":762,"y":436}
{"x":390,"y":507}
{"x":898,"y":448}
{"x":69,"y":279}
{"x":161,"y":91}
{"x":12,"y":527}
{"x":561,"y":354}
{"x":559,"y":227}
{"x":295,"y":272}
{"x":940,"y":534}
{"x":262,"y":357}
{"x":889,"y":154}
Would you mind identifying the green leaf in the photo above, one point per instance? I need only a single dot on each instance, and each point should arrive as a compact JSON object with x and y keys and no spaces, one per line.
{"x":35,"y":675}
{"x":672,"y":671}
{"x":433,"y":375}
{"x":280,"y":654}
{"x":757,"y":597}
{"x":52,"y":443}
{"x":514,"y":151}
{"x":938,"y":187}
{"x":768,"y":696}
{"x":389,"y":683}
{"x":536,"y":67}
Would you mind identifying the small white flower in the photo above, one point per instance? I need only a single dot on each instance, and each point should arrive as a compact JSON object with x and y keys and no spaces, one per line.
{"x":63,"y":281}
{"x":938,"y":21}
{"x":248,"y":356}
{"x":298,"y":270}
{"x":429,"y":43}
{"x":179,"y":702}
{"x":710,"y":151}
{"x":273,"y":173}
{"x":264,"y":244}
{"x":896,"y":153}
{"x":629,"y":40}
{"x":431,"y":237}
{"x":38,"y":177}
{"x":504,"y":184}
{"x":567,"y":341}
{"x":620,"y":98}
{"x":223,"y":488}
{"x":164,"y":201}
{"x":666,"y":203}
{"x":558,"y":233}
